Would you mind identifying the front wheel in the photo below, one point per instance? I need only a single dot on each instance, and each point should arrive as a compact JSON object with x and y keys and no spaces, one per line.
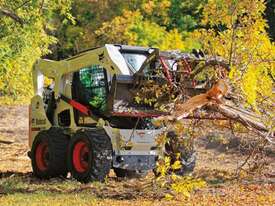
{"x":179,"y":149}
{"x":182,"y":149}
{"x":90,"y":155}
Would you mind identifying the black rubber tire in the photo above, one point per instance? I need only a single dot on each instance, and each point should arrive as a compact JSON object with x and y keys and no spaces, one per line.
{"x":99,"y":158}
{"x":187,"y":155}
{"x":57,"y":153}
{"x":186,"y":151}
{"x":188,"y":164}
{"x":124,"y":173}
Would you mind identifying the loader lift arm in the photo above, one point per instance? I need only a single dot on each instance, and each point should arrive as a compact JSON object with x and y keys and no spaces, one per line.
{"x":76,"y":105}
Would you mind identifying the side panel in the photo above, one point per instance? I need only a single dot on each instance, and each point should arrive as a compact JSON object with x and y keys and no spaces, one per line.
{"x":61,"y":106}
{"x":38,"y":120}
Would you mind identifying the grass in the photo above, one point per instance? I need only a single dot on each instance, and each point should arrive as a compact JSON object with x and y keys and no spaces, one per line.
{"x":24,"y":189}
{"x":46,"y":198}
{"x":49,"y":199}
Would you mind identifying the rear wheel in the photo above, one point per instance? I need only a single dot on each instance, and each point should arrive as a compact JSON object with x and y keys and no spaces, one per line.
{"x":90,"y":155}
{"x":48,"y":153}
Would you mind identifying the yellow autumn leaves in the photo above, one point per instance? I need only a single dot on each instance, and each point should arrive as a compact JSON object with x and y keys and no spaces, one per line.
{"x":233,"y":29}
{"x":239,"y":35}
{"x":131,"y":28}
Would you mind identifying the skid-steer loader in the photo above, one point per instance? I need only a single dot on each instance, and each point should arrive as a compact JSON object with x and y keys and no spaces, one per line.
{"x":86,"y":120}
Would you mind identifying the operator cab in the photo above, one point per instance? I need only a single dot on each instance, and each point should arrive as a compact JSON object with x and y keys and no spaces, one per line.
{"x":94,"y":87}
{"x":90,"y":88}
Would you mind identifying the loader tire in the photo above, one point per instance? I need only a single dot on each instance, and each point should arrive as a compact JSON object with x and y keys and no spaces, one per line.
{"x":124,"y":173}
{"x":90,"y":155}
{"x":187,"y":155}
{"x":48,"y":153}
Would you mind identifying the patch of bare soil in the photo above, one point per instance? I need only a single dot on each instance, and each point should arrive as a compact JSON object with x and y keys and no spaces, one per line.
{"x":14,"y":123}
{"x":216,"y":164}
{"x":14,"y":139}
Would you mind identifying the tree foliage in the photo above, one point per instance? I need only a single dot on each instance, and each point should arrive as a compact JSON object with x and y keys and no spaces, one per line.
{"x":25,"y":35}
{"x":94,"y":17}
{"x":131,"y":28}
{"x":239,"y":34}
{"x":31,"y":29}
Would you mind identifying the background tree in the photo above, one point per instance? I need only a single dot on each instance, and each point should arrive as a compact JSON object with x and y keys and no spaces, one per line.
{"x":25,"y":35}
{"x":94,"y":17}
{"x":239,"y":34}
{"x":30,"y":29}
{"x":132,"y":28}
{"x":79,"y":35}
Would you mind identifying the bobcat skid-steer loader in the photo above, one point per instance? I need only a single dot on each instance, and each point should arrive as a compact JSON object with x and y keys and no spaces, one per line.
{"x":86,"y":122}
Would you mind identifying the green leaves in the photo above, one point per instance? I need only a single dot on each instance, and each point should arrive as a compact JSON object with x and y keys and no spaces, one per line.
{"x":134,"y":29}
{"x":22,"y":44}
{"x":167,"y":24}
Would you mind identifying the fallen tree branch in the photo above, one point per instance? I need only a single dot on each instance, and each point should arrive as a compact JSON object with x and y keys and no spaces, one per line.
{"x":238,"y":115}
{"x":213,"y":101}
{"x":256,"y":153}
{"x":246,"y":119}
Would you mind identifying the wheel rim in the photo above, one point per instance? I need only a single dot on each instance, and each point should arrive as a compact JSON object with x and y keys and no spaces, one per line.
{"x":42,"y":156}
{"x":81,"y":156}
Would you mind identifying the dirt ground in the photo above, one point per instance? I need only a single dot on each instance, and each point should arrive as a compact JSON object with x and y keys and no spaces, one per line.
{"x":216,"y":165}
{"x":14,"y":138}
